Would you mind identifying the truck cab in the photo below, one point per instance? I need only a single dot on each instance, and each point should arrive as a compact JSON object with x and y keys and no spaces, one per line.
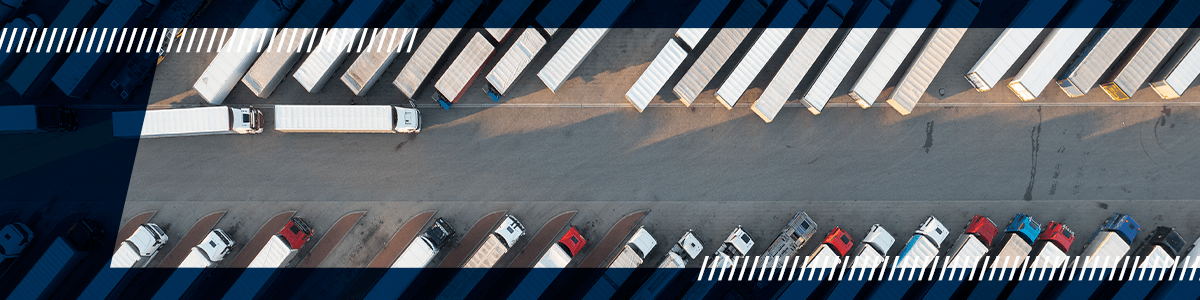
{"x":296,"y":232}
{"x":408,"y":120}
{"x":933,"y":229}
{"x":148,"y":238}
{"x":1058,"y":234}
{"x":879,"y":238}
{"x":437,"y":234}
{"x":510,"y":230}
{"x":1123,"y":225}
{"x":799,"y":230}
{"x":983,"y":228}
{"x":737,"y":244}
{"x":85,"y":234}
{"x":1025,"y":227}
{"x":642,"y":242}
{"x":13,"y":240}
{"x":216,"y":245}
{"x":572,"y":241}
{"x":688,"y":247}
{"x":1168,"y":239}
{"x":246,"y":120}
{"x":839,"y":241}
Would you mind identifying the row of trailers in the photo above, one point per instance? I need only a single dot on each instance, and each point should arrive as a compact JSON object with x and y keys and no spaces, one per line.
{"x":1117,"y":54}
{"x":261,"y":58}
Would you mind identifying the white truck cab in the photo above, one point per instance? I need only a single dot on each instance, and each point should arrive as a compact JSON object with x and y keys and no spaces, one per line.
{"x":933,"y":229}
{"x":216,"y":245}
{"x":13,"y":239}
{"x":642,"y":242}
{"x":737,"y":244}
{"x":510,"y":230}
{"x":408,"y":120}
{"x":247,"y":121}
{"x":148,"y":238}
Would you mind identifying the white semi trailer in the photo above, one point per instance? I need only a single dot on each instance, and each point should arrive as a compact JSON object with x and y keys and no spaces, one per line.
{"x":240,"y":51}
{"x":418,"y":255}
{"x":34,"y":119}
{"x":289,"y":44}
{"x":187,"y":122}
{"x":800,"y":60}
{"x":337,"y":44}
{"x":868,"y":262}
{"x":933,"y":55}
{"x":434,"y":46}
{"x":672,"y":55}
{"x":684,"y":250}
{"x":1058,"y":47}
{"x":204,"y":256}
{"x":847,"y":53}
{"x":895,"y":49}
{"x":1106,"y":47}
{"x":81,"y":69}
{"x":581,"y":43}
{"x":719,"y":50}
{"x":724,"y":265}
{"x":513,"y":63}
{"x":619,"y":269}
{"x":347,"y":118}
{"x":1183,"y":68}
{"x":764,"y":47}
{"x":57,"y":262}
{"x":462,"y":72}
{"x":497,"y":243}
{"x":1013,"y":41}
{"x":18,"y":26}
{"x":134,"y":253}
{"x":389,"y":43}
{"x":1147,"y":57}
{"x":275,"y":255}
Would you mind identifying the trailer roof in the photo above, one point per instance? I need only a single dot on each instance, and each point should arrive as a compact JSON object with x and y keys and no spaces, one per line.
{"x":513,"y":63}
{"x":656,"y":75}
{"x":170,"y":121}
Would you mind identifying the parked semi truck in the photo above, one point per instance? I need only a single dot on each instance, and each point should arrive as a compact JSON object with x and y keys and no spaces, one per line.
{"x":177,"y":16}
{"x":933,"y":55}
{"x":970,"y":249}
{"x":581,"y":43}
{"x":81,"y":69}
{"x":802,"y":58}
{"x":512,"y":63}
{"x":133,"y":254}
{"x":463,"y":70}
{"x":33,"y":74}
{"x":275,"y":255}
{"x":242,"y":49}
{"x":8,"y":7}
{"x":1013,"y":41}
{"x":1106,"y":46}
{"x":199,"y":261}
{"x":671,"y":56}
{"x":418,"y":255}
{"x":18,"y":26}
{"x":32,"y":119}
{"x":823,"y":262}
{"x":187,"y":122}
{"x":1048,"y":255}
{"x":347,"y":118}
{"x":497,"y":243}
{"x":299,"y":35}
{"x":1008,"y":259}
{"x":1101,"y":256}
{"x":399,"y":31}
{"x":793,"y":237}
{"x":1058,"y":47}
{"x":58,"y":261}
{"x":1176,"y":286}
{"x":434,"y":46}
{"x":351,"y":29}
{"x":619,"y":269}
{"x":1149,"y":54}
{"x":14,"y":238}
{"x":1181,"y":69}
{"x":764,"y":47}
{"x":868,"y":263}
{"x":719,"y":50}
{"x":1154,"y":258}
{"x":899,"y":43}
{"x":917,"y":255}
{"x":686,"y":249}
{"x":731,"y":254}
{"x":549,"y":266}
{"x":848,"y":51}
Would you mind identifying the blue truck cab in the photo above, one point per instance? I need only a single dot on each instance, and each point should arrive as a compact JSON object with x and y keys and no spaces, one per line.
{"x":1025,"y":227}
{"x":1123,"y":225}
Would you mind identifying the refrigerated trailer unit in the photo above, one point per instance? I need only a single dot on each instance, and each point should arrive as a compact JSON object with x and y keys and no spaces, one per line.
{"x":619,"y":269}
{"x":1132,"y":73}
{"x":673,"y":53}
{"x":31,"y":76}
{"x":895,"y":49}
{"x":581,"y":43}
{"x":513,"y":63}
{"x":275,"y":255}
{"x":347,"y":118}
{"x":242,"y":49}
{"x":58,"y":261}
{"x":202,"y":258}
{"x":32,"y":119}
{"x":299,"y":33}
{"x":187,"y":122}
{"x":1013,"y":41}
{"x":497,"y":243}
{"x":81,"y":69}
{"x":781,"y":87}
{"x":868,"y":263}
{"x":719,"y":50}
{"x":686,"y":249}
{"x":764,"y":47}
{"x":369,"y":66}
{"x":1058,"y":47}
{"x":134,"y":253}
{"x":18,"y":27}
{"x":1106,"y":46}
{"x":333,"y":48}
{"x":549,"y":266}
{"x":848,"y":51}
{"x":933,"y":55}
{"x":1046,"y":259}
{"x":418,"y":255}
{"x":434,"y":46}
{"x":970,"y":248}
{"x":462,"y":71}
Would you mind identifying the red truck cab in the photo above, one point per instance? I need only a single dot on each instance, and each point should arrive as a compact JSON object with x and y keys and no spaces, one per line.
{"x":1059,"y":235}
{"x":573,"y":241}
{"x":839,"y":240}
{"x":296,"y":232}
{"x":983,"y":228}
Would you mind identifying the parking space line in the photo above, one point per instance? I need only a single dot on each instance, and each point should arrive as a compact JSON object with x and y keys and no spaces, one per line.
{"x":126,"y":230}
{"x":194,"y":235}
{"x":612,"y":240}
{"x":401,"y":239}
{"x":260,"y":238}
{"x":474,"y":237}
{"x":331,"y":239}
{"x":545,"y":237}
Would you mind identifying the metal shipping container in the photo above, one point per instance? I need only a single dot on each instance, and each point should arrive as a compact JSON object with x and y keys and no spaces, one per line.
{"x":1057,"y":49}
{"x":462,"y":71}
{"x":797,"y":64}
{"x":513,"y":63}
{"x":718,"y":51}
{"x":895,"y":48}
{"x":931,"y":58}
{"x":846,"y":54}
{"x":581,"y":43}
{"x":1013,"y":41}
{"x":1106,"y":46}
{"x":764,"y":47}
